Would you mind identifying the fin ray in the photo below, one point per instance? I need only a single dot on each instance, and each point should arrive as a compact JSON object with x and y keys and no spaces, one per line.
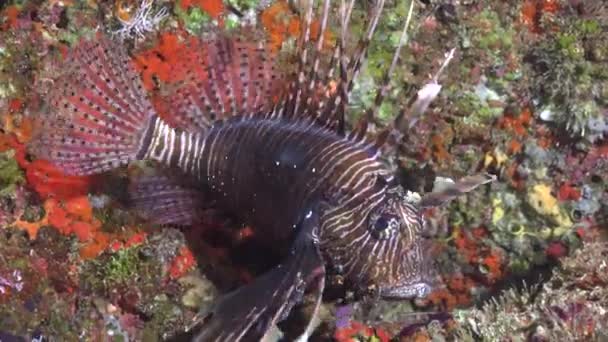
{"x":165,"y":200}
{"x":98,"y":111}
{"x":240,"y":79}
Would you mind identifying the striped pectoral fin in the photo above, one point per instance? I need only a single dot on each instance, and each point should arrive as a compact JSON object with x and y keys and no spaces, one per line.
{"x":450,"y":190}
{"x":165,"y":200}
{"x":249,"y":313}
{"x":98,"y":111}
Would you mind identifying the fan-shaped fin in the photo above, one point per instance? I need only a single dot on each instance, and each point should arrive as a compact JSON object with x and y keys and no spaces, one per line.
{"x":238,"y":78}
{"x":98,"y":111}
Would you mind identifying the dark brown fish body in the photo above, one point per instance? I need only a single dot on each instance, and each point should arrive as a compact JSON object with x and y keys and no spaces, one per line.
{"x":267,"y":171}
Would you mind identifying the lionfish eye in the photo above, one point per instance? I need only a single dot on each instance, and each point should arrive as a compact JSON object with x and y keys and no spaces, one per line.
{"x":383,"y":226}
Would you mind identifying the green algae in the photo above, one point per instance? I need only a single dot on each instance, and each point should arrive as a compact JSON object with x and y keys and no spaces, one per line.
{"x":113,"y":219}
{"x":12,"y":84}
{"x":166,"y":317}
{"x":490,"y":33}
{"x":486,"y":38}
{"x":122,"y":265}
{"x":73,"y":35}
{"x":81,"y":20}
{"x":243,"y":5}
{"x":474,"y":108}
{"x":33,"y":213}
{"x":199,"y":292}
{"x":11,"y":174}
{"x":194,"y":19}
{"x":123,"y":268}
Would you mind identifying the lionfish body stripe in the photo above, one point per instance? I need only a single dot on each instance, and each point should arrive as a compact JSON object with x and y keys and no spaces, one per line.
{"x":249,"y":164}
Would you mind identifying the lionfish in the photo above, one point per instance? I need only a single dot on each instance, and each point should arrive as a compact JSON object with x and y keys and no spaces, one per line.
{"x":264,"y":144}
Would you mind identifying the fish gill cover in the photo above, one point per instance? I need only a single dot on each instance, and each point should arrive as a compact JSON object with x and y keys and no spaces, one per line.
{"x":524,"y":97}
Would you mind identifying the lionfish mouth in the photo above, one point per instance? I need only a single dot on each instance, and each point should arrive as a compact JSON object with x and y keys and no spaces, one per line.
{"x":412,"y":290}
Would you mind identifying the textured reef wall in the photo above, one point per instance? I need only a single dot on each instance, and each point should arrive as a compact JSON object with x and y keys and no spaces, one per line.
{"x":525,"y":98}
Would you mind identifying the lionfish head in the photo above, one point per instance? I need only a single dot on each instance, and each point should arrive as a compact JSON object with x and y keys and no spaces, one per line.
{"x":377,"y":247}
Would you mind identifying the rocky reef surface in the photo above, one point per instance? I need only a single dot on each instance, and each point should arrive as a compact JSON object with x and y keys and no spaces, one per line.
{"x":525,"y":98}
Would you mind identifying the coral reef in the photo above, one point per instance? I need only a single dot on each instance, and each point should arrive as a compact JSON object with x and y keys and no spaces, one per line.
{"x":569,"y":66}
{"x":568,"y":306}
{"x":525,"y":98}
{"x":571,"y":306}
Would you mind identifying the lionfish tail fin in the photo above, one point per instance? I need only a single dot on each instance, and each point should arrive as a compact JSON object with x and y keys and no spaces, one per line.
{"x":229,"y":76}
{"x":98,"y":111}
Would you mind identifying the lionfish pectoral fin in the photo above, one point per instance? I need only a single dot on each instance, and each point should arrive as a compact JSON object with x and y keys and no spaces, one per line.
{"x":248,"y":313}
{"x":450,"y":191}
{"x":316,"y":292}
{"x":99,"y":114}
{"x":165,"y":199}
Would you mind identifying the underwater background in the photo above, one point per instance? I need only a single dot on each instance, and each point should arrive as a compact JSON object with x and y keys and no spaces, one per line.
{"x":525,"y":98}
